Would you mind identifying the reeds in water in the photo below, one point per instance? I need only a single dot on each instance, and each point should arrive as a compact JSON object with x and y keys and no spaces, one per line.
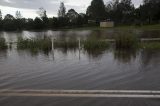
{"x":3,"y":44}
{"x":150,"y":45}
{"x":66,"y":44}
{"x":93,"y":44}
{"x":34,"y":44}
{"x":126,"y":41}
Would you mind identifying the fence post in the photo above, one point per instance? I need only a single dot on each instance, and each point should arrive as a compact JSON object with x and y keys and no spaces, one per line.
{"x":79,"y":42}
{"x":52,"y":40}
{"x":52,"y":44}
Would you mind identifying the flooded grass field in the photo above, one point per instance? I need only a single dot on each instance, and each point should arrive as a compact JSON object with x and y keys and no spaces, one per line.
{"x":93,"y":66}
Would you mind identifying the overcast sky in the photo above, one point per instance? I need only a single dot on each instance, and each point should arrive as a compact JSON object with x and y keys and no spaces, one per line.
{"x":28,"y":8}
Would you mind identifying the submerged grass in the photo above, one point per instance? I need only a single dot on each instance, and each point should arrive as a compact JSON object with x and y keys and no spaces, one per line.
{"x":95,"y":47}
{"x":150,"y":45}
{"x":93,"y":44}
{"x":46,"y":44}
{"x":3,"y":44}
{"x":126,"y":41}
{"x":66,"y":44}
{"x":34,"y":44}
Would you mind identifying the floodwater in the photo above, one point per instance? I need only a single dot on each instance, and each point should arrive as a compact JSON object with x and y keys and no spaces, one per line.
{"x":78,"y":70}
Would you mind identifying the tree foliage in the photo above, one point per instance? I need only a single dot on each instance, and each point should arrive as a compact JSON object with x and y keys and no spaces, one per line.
{"x":18,"y":15}
{"x":96,"y":10}
{"x":1,"y":25}
{"x":62,"y":10}
{"x":42,"y":12}
{"x":0,"y":15}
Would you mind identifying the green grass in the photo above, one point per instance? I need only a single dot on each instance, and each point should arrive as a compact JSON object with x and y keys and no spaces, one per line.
{"x":3,"y":44}
{"x":126,"y":41}
{"x":34,"y":44}
{"x":93,"y":44}
{"x":122,"y":41}
{"x":66,"y":44}
{"x":151,"y":27}
{"x":95,"y":47}
{"x":150,"y":45}
{"x":45,"y":44}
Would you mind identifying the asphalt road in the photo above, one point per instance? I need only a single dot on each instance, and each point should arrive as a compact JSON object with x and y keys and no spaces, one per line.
{"x":79,"y":98}
{"x":54,"y":101}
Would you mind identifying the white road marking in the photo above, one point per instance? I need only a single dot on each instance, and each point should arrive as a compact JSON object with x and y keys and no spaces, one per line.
{"x":82,"y":93}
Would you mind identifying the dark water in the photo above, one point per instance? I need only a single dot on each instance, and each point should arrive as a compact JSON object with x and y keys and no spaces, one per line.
{"x":71,"y":69}
{"x":66,"y":70}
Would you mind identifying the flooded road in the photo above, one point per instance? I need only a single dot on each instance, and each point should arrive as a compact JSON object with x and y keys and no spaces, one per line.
{"x":73,"y":70}
{"x":65,"y":70}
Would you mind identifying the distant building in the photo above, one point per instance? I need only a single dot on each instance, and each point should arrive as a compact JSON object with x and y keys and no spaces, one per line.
{"x":107,"y":24}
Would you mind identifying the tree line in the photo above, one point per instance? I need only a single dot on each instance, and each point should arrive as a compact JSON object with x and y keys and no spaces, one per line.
{"x":122,"y":12}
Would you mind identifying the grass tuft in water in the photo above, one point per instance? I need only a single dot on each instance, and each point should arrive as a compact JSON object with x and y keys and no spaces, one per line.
{"x":95,"y":47}
{"x":93,"y":44}
{"x":3,"y":44}
{"x":35,"y":44}
{"x":150,"y":45}
{"x":126,"y":41}
{"x":66,"y":44}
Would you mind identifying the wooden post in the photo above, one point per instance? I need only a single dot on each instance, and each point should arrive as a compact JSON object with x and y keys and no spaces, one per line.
{"x":52,"y":39}
{"x":79,"y":41}
{"x":52,"y":44}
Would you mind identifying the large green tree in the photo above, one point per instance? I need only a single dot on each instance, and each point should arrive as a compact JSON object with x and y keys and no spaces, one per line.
{"x":9,"y":23}
{"x":0,"y":15}
{"x":62,"y":10}
{"x":1,"y":20}
{"x":43,"y":15}
{"x":38,"y":23}
{"x":18,"y":15}
{"x":122,"y":12}
{"x":96,"y":10}
{"x":72,"y":16}
{"x":150,"y":11}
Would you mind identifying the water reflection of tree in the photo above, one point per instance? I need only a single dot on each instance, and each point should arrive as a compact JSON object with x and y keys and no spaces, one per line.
{"x":148,"y":56}
{"x":96,"y":53}
{"x":3,"y":54}
{"x":29,"y":52}
{"x":125,"y":56}
{"x":66,"y":50}
{"x":96,"y":34}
